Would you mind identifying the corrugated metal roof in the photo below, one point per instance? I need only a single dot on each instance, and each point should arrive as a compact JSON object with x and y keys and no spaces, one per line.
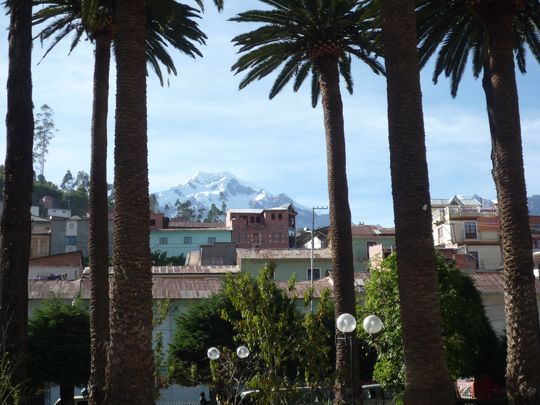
{"x":195,"y":269}
{"x":283,"y":253}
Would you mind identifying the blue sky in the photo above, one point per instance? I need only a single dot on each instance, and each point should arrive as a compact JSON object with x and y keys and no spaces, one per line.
{"x":202,"y":122}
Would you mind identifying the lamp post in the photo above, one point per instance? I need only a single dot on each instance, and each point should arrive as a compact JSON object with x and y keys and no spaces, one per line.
{"x":242,"y":352}
{"x":346,"y":324}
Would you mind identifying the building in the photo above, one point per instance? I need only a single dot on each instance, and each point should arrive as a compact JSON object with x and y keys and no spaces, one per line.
{"x":63,"y":266}
{"x":365,"y":237}
{"x":265,"y":228}
{"x":467,"y":231}
{"x":288,"y":262}
{"x":182,"y":241}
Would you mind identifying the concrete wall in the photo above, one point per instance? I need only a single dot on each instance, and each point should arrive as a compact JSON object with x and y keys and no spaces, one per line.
{"x":285,"y":268}
{"x":360,"y":249}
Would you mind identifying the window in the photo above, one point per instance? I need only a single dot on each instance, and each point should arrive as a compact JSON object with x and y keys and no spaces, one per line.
{"x":256,"y":238}
{"x":152,"y":222}
{"x":163,"y":240}
{"x":536,"y":243}
{"x":251,"y":219}
{"x":474,"y":260}
{"x":217,"y":261}
{"x":277,"y":237}
{"x":258,"y":220}
{"x":316,"y":273}
{"x":273,"y":216}
{"x":279,"y":216}
{"x":245,"y":237}
{"x":440,"y":234}
{"x":211,"y":240}
{"x":188,"y":240}
{"x":470,"y":230}
{"x":71,"y":240}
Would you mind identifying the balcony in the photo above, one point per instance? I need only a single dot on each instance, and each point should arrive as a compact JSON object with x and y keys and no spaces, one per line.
{"x":456,"y":212}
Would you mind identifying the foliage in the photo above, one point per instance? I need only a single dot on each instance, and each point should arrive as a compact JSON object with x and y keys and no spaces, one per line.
{"x":8,"y":392}
{"x":295,"y":34}
{"x":471,"y":346}
{"x":67,"y":182}
{"x":59,"y":344}
{"x":216,"y":214}
{"x":199,"y":328}
{"x":160,"y":311}
{"x":185,"y":210}
{"x":160,"y":258}
{"x":44,"y":131}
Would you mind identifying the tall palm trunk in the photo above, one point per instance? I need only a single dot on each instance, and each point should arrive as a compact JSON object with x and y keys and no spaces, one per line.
{"x":15,"y":234}
{"x":426,"y":376}
{"x":98,"y":235}
{"x":340,"y":222}
{"x":130,"y":366}
{"x":522,"y":326}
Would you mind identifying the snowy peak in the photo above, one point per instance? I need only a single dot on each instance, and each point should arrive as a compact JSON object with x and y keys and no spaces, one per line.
{"x":204,"y":189}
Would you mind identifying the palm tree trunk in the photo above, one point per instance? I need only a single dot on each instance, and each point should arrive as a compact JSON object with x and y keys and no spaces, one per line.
{"x":426,"y":376}
{"x":98,"y":235}
{"x":340,"y":223}
{"x":522,"y":326}
{"x":130,"y":367}
{"x":15,"y":234}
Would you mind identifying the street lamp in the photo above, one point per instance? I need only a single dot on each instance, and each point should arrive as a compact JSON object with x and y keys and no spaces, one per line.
{"x":229,"y":367}
{"x":346,"y":324}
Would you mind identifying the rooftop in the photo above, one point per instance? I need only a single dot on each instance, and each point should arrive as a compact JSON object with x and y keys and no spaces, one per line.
{"x":72,"y":259}
{"x":270,"y":254}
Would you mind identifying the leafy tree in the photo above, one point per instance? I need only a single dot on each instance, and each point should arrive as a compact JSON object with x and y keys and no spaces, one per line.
{"x":67,"y":182}
{"x":154,"y":204}
{"x":427,"y":379}
{"x":82,"y":182}
{"x":15,"y":226}
{"x":59,"y":347}
{"x":160,"y":258}
{"x":44,"y":131}
{"x":185,"y":210}
{"x":200,"y":327}
{"x":321,"y":38}
{"x":470,"y":344}
{"x":494,"y":33}
{"x":215,"y":214}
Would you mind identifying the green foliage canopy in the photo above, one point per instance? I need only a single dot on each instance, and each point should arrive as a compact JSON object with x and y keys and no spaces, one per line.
{"x":59,"y":344}
{"x":471,"y":346}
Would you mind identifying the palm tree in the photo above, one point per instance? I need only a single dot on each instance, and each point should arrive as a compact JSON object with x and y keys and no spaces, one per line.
{"x":166,"y":22}
{"x":426,"y":376}
{"x":495,"y":31}
{"x":317,"y":37}
{"x":15,"y":231}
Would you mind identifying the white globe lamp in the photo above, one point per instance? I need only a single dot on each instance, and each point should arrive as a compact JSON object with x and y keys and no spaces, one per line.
{"x":213,"y":353}
{"x":346,"y":323}
{"x":372,"y":324}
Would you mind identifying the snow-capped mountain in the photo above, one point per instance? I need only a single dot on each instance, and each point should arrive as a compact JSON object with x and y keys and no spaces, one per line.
{"x":205,"y":189}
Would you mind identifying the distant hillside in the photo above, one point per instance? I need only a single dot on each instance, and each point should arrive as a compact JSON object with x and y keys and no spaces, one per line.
{"x":534,"y":204}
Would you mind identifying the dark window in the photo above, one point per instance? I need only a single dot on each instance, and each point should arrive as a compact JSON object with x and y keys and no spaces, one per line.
{"x":71,"y":240}
{"x":258,"y":220}
{"x":474,"y":261}
{"x":273,"y":216}
{"x":152,"y":222}
{"x":279,"y":216}
{"x":316,"y":274}
{"x":470,"y":230}
{"x":188,"y":240}
{"x":163,"y":241}
{"x":251,"y":219}
{"x":256,"y":238}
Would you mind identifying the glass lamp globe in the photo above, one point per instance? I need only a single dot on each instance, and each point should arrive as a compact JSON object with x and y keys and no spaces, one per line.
{"x":346,"y":323}
{"x":372,"y":324}
{"x":242,"y":352}
{"x":213,"y":353}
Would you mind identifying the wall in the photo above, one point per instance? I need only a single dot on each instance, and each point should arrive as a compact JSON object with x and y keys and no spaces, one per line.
{"x":360,"y":250}
{"x":285,"y":268}
{"x":175,"y":239}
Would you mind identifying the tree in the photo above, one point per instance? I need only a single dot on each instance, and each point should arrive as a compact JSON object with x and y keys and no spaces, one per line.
{"x":426,"y":380}
{"x":493,"y":31}
{"x":67,"y":182}
{"x":59,"y":347}
{"x":215,"y":214}
{"x":185,"y":210}
{"x":160,"y":258}
{"x":471,"y":346}
{"x":200,"y":327}
{"x":317,"y":37}
{"x":166,"y":22}
{"x":15,"y":225}
{"x":44,"y":131}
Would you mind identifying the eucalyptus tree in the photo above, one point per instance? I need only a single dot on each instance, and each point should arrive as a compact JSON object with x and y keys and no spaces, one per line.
{"x":15,"y":226}
{"x":494,"y":33}
{"x":317,"y":38}
{"x":426,"y":376}
{"x":167,"y":22}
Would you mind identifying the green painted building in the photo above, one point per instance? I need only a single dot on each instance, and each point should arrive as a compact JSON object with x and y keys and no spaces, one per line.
{"x":177,"y":241}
